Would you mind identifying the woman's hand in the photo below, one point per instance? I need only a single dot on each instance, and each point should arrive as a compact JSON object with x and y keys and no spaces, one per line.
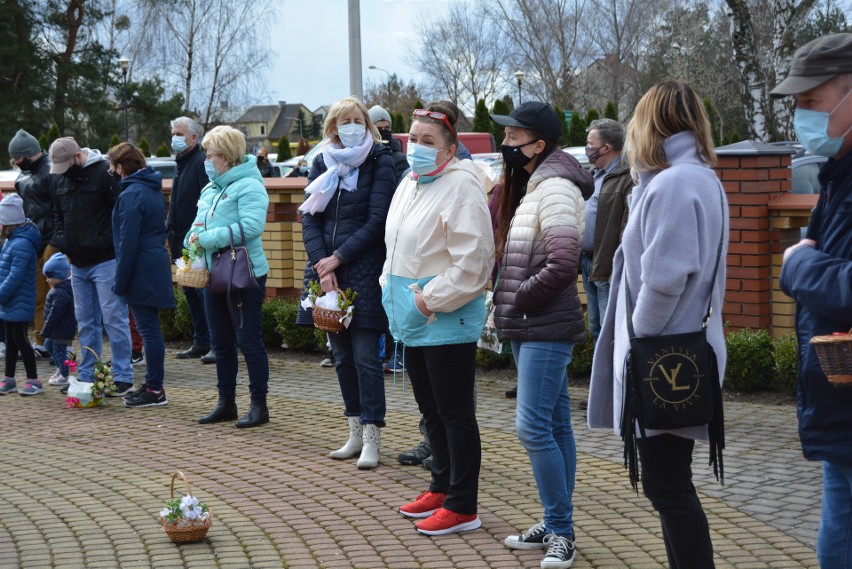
{"x":327,"y":265}
{"x":421,"y":305}
{"x":328,"y":282}
{"x":193,"y":238}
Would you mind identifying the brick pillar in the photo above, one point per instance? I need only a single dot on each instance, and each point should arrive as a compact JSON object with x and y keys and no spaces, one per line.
{"x":753,"y":174}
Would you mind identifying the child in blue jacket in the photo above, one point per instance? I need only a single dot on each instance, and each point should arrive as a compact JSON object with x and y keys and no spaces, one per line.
{"x":60,"y":323}
{"x":18,"y":292}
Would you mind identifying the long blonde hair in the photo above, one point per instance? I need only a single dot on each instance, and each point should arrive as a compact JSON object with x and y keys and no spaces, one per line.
{"x":342,"y":107}
{"x":667,"y":108}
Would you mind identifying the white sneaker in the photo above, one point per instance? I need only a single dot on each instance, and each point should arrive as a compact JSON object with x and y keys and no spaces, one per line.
{"x":57,"y":379}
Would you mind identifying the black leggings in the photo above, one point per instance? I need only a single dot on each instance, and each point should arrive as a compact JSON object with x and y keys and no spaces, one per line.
{"x":17,"y":342}
{"x":666,"y":462}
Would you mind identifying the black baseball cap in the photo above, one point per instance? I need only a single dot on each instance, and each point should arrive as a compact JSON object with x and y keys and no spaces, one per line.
{"x":815,"y":63}
{"x":534,"y":115}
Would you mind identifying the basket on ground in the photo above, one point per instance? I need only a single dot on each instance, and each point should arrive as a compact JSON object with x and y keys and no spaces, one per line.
{"x":186,"y":531}
{"x":327,"y":319}
{"x":835,"y":356}
{"x":193,"y":278}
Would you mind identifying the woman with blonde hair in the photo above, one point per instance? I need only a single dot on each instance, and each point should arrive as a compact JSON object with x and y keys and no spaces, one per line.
{"x":343,"y":225}
{"x":234,"y":203}
{"x":678,"y":215}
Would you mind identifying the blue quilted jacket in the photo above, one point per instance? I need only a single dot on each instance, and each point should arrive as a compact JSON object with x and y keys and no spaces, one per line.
{"x":60,"y":322}
{"x":18,"y":274}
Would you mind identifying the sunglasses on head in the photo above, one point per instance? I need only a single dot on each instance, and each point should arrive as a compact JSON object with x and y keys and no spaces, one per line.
{"x":437,"y":116}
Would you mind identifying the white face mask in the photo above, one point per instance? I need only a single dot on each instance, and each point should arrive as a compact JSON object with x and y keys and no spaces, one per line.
{"x":351,"y":134}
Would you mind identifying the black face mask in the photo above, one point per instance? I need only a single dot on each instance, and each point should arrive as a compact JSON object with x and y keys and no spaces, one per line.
{"x":115,"y":175}
{"x":513,"y":157}
{"x":74,"y":171}
{"x":25,"y":164}
{"x":386,"y":134}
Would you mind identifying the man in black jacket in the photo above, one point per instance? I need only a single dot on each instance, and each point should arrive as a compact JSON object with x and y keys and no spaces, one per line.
{"x":84,"y":195}
{"x":183,"y":205}
{"x":34,"y":186}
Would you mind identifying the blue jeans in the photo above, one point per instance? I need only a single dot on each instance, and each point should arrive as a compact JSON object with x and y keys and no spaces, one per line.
{"x":148,"y":323}
{"x":195,"y":303}
{"x":360,"y":374}
{"x":59,"y":353}
{"x":96,"y":308}
{"x":225,"y":337}
{"x":544,"y":428}
{"x":597,"y":296}
{"x":834,"y":540}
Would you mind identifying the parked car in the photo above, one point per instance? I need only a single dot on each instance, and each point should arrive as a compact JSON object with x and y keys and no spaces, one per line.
{"x":494,"y":160}
{"x":475,"y":142}
{"x":805,"y":169}
{"x":167,"y":167}
{"x":579,"y":152}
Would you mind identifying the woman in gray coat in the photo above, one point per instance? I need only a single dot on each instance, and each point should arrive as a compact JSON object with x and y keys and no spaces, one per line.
{"x":678,"y":214}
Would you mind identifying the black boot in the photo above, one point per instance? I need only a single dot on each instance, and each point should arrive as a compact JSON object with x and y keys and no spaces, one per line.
{"x":257,"y":414}
{"x":225,"y":410}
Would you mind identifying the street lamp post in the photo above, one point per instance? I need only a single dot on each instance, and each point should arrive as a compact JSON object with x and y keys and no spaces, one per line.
{"x":124,"y":63}
{"x":519,"y":75}
{"x":390,"y":103}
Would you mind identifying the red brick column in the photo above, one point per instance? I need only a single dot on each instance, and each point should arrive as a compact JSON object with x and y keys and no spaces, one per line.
{"x":751,"y":182}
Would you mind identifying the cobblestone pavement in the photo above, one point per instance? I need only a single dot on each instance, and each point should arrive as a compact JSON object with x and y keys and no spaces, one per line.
{"x":82,"y":488}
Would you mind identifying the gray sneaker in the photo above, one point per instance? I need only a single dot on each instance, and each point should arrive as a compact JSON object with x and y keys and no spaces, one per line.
{"x":533,"y":538}
{"x":32,"y":387}
{"x":8,"y":386}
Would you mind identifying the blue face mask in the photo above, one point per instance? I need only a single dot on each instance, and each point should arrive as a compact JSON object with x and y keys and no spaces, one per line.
{"x":211,"y":170}
{"x":179,"y":144}
{"x":351,"y":134}
{"x":303,"y":169}
{"x":422,"y":159}
{"x":812,"y":131}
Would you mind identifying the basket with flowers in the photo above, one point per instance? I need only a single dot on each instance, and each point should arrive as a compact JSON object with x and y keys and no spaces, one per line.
{"x":184,"y":519}
{"x":332,"y":311}
{"x":84,"y":394}
{"x":192,"y":267}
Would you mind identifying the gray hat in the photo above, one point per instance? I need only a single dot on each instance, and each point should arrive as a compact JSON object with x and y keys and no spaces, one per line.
{"x":378,"y":113}
{"x":815,"y":63}
{"x":62,"y":153}
{"x":12,"y":210}
{"x":23,"y":145}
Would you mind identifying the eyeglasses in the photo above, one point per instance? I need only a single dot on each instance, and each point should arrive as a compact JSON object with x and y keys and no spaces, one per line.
{"x":437,"y":116}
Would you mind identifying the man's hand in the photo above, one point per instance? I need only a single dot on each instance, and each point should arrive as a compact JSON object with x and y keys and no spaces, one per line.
{"x":802,"y":243}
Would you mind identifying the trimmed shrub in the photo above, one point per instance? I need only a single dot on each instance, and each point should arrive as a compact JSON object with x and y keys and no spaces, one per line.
{"x":581,"y":358}
{"x":176,"y":323}
{"x":786,"y":361}
{"x":751,"y":365}
{"x":293,"y":336}
{"x":486,"y":359}
{"x":270,"y":315}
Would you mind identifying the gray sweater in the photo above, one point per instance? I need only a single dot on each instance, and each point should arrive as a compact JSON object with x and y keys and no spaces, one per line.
{"x":667,"y":255}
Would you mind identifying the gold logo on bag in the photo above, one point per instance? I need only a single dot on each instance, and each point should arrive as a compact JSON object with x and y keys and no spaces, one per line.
{"x":673,"y":376}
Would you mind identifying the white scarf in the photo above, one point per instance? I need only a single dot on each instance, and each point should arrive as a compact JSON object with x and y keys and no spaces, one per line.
{"x":342,"y":165}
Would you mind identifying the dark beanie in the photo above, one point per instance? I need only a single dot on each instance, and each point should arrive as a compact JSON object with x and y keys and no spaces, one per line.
{"x":23,"y":145}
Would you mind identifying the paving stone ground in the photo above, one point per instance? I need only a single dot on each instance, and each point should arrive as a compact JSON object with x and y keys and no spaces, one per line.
{"x":82,"y":488}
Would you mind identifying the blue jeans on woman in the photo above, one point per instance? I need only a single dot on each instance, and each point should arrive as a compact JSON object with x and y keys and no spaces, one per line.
{"x":360,"y":374}
{"x":97,"y":307}
{"x":544,"y":428}
{"x":834,"y":540}
{"x":224,"y":319}
{"x":148,"y":324}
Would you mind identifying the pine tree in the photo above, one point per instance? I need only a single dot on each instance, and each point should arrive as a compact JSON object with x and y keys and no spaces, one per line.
{"x":481,"y":121}
{"x":114,"y":141}
{"x":398,"y":123}
{"x":284,"y":151}
{"x":53,"y":133}
{"x":577,"y":131}
{"x":591,"y":115}
{"x":500,"y":108}
{"x":42,"y":141}
{"x":143,"y":147}
{"x":713,"y":117}
{"x":564,"y":140}
{"x":163,"y":151}
{"x":611,"y":111}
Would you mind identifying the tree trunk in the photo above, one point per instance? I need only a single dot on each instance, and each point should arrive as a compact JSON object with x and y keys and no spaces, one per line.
{"x":74,"y":17}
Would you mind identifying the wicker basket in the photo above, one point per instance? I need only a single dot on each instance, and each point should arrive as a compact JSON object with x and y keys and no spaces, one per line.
{"x":189,"y":534}
{"x":835,"y":356}
{"x":193,"y":278}
{"x":328,"y":320}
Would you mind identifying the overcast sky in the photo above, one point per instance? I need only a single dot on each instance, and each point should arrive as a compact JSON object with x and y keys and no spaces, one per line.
{"x":311,"y":65}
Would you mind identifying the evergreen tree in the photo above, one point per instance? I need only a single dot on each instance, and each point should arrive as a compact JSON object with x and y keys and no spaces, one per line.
{"x":577,"y":131}
{"x":481,"y":121}
{"x":316,"y":127}
{"x":564,"y":140}
{"x":500,"y":107}
{"x":284,"y":151}
{"x":398,"y":123}
{"x":591,"y":115}
{"x":114,"y":141}
{"x":163,"y":151}
{"x":713,"y":117}
{"x":52,"y":134}
{"x":42,"y":141}
{"x":611,"y":111}
{"x":143,"y":147}
{"x":418,"y":104}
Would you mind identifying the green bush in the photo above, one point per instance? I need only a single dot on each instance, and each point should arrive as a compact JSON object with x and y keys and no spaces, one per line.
{"x":293,"y":336}
{"x":751,"y":362}
{"x":271,"y":316}
{"x":486,"y":359}
{"x":176,"y":323}
{"x":786,"y":362}
{"x":581,"y":358}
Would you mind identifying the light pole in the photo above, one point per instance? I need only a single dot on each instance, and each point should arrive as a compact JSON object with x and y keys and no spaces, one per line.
{"x":390,"y":103}
{"x":124,"y":63}
{"x":519,"y":75}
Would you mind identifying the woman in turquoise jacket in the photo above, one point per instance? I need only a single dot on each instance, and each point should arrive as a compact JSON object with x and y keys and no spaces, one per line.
{"x":234,"y":201}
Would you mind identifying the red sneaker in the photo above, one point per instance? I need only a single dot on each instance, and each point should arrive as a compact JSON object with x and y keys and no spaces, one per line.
{"x":424,"y":506}
{"x":444,"y":521}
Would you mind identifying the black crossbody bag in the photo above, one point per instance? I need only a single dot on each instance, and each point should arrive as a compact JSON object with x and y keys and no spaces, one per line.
{"x":673,"y":382}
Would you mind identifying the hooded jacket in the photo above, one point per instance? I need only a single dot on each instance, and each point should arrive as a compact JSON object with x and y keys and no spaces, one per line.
{"x":34,"y":186}
{"x":143,"y":273}
{"x":18,"y":274}
{"x":236,"y":197}
{"x":82,"y":212}
{"x":439,"y":242}
{"x":536,"y":297}
{"x":190,"y":179}
{"x":818,"y":279}
{"x":352,"y":228}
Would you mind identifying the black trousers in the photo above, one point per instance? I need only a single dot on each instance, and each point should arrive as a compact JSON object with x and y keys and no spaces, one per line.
{"x":17,"y":342}
{"x":443,"y":380}
{"x":666,"y":464}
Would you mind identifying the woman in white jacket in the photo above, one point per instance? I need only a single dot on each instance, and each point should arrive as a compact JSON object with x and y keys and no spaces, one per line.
{"x":440,"y":253}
